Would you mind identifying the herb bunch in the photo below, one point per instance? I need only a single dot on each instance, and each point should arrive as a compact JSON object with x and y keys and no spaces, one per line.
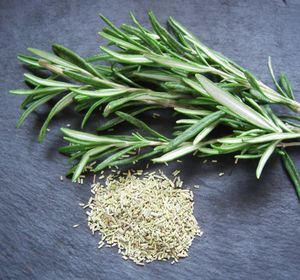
{"x":148,"y":69}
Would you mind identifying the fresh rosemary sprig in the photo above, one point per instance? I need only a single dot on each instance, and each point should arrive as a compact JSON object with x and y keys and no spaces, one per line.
{"x":160,"y":69}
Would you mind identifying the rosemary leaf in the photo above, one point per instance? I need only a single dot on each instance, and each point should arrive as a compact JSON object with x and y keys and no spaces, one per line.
{"x":29,"y":60}
{"x":236,"y":106}
{"x":273,"y":77}
{"x":138,"y":123}
{"x":176,"y":153}
{"x":49,"y":83}
{"x":115,"y":121}
{"x":284,"y":81}
{"x":33,"y":106}
{"x":60,"y":105}
{"x":291,"y":170}
{"x":127,"y":58}
{"x":74,"y":58}
{"x":89,"y":138}
{"x":194,"y":130}
{"x":39,"y":91}
{"x":53,"y":58}
{"x":116,"y":156}
{"x":178,"y":64}
{"x":264,"y":158}
{"x":84,"y":160}
{"x":100,"y":92}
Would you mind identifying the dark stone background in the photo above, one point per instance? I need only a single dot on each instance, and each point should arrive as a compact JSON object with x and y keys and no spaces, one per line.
{"x":251,"y":228}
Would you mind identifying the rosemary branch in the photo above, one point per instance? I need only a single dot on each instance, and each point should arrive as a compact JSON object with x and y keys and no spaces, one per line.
{"x":158,"y":69}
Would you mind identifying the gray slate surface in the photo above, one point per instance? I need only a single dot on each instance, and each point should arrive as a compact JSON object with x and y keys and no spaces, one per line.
{"x":251,"y":227}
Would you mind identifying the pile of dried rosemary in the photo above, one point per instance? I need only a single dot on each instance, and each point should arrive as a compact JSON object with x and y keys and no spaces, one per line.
{"x":147,"y":216}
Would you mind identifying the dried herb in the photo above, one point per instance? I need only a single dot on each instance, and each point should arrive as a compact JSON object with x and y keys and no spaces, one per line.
{"x":146,"y":216}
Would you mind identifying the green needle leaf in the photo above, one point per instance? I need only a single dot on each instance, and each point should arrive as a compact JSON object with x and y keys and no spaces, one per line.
{"x":30,"y":60}
{"x":140,"y":124}
{"x":127,"y":58}
{"x":178,"y":64}
{"x":179,"y":28}
{"x":192,"y":112}
{"x":273,"y":77}
{"x":186,"y":121}
{"x":273,"y":136}
{"x":214,"y":56}
{"x":208,"y":151}
{"x":109,"y":124}
{"x":264,"y":158}
{"x":59,"y":106}
{"x":53,"y":58}
{"x":49,"y":83}
{"x":253,"y":82}
{"x":116,"y":156}
{"x":261,"y":139}
{"x":90,"y":111}
{"x":74,"y":148}
{"x":74,"y":58}
{"x":26,"y":101}
{"x":134,"y":158}
{"x":39,"y":91}
{"x":202,"y":134}
{"x":194,"y":130}
{"x":287,"y":86}
{"x":156,"y":75}
{"x":33,"y":106}
{"x":118,"y":33}
{"x":90,"y":138}
{"x":111,"y":106}
{"x":122,"y":43}
{"x":93,"y":81}
{"x":196,"y":86}
{"x":112,"y":26}
{"x":101,"y":92}
{"x":291,"y":170}
{"x":143,"y":34}
{"x":84,"y":160}
{"x":165,"y":35}
{"x":244,"y":111}
{"x":248,"y":156}
{"x":179,"y":152}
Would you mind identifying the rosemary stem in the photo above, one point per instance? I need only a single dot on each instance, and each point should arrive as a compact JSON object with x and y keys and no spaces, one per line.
{"x":291,"y":144}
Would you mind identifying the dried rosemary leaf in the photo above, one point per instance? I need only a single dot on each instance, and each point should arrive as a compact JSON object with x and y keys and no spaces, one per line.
{"x":147,"y":217}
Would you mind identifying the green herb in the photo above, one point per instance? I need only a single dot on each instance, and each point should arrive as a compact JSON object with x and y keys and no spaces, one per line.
{"x":291,"y":170}
{"x":162,"y":69}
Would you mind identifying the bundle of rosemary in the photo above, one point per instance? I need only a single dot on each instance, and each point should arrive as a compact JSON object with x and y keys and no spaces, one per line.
{"x":163,"y":69}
